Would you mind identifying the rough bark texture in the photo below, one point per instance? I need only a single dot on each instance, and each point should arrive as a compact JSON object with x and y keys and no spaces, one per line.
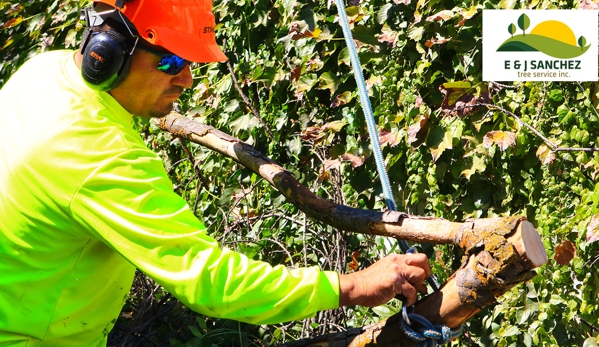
{"x":499,"y":253}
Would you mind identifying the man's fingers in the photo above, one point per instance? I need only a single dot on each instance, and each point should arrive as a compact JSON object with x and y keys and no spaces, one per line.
{"x":419,"y":260}
{"x":415,"y":275}
{"x":422,"y":288}
{"x":409,"y":292}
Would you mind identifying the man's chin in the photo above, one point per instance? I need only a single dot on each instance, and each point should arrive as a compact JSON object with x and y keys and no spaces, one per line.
{"x":160,"y":113}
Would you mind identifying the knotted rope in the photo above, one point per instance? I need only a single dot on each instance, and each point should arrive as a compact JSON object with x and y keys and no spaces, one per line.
{"x":419,"y":329}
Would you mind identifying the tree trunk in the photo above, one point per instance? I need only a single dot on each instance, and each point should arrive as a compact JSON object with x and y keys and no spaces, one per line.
{"x":499,"y":253}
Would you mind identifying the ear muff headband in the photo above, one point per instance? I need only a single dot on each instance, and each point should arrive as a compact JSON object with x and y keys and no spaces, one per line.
{"x":106,"y":59}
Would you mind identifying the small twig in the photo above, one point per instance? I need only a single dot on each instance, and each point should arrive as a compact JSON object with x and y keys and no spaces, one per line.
{"x":553,"y":146}
{"x":574,"y":149}
{"x":195,"y":203}
{"x":304,"y":240}
{"x":505,"y":85}
{"x":535,"y":131}
{"x":193,"y":162}
{"x":588,"y":323}
{"x":247,"y":101}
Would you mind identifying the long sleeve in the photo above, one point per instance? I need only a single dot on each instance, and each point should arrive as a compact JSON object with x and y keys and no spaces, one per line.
{"x":129,"y":204}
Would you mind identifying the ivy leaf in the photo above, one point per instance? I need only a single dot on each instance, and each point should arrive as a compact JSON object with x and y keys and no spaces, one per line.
{"x":593,"y":229}
{"x":353,"y":159}
{"x":503,"y":139}
{"x":418,"y":130}
{"x":467,"y":14}
{"x":382,"y":14}
{"x":478,"y":165}
{"x":231,"y":106}
{"x":294,"y":145}
{"x":246,"y":121}
{"x":389,"y":137}
{"x":352,"y":12}
{"x":564,"y":253}
{"x":317,"y":134}
{"x":344,"y":57}
{"x":513,"y":330}
{"x":329,"y":81}
{"x":556,"y":95}
{"x":590,"y":342}
{"x":442,"y":15}
{"x":342,"y":99}
{"x":295,"y":74}
{"x":457,"y":96}
{"x":335,"y":126}
{"x":365,"y":34}
{"x":387,"y":35}
{"x":12,"y":22}
{"x":438,"y":141}
{"x":305,"y":83}
{"x":415,"y":33}
{"x":545,"y":155}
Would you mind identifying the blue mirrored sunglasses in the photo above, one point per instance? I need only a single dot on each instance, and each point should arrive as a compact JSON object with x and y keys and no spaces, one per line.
{"x":170,"y":64}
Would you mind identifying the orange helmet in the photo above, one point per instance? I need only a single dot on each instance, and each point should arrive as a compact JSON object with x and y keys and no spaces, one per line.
{"x":183,"y":27}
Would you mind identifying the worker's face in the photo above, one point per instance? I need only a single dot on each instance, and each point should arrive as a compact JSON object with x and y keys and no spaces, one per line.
{"x":148,"y":92}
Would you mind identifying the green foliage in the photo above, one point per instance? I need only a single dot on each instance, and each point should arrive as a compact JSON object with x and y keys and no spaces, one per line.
{"x":289,"y":59}
{"x":30,"y":27}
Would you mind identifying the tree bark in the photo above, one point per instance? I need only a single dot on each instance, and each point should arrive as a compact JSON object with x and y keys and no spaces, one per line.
{"x":499,"y":253}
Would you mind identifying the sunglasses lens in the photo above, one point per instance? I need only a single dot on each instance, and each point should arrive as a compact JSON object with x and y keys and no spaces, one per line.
{"x":171,"y":64}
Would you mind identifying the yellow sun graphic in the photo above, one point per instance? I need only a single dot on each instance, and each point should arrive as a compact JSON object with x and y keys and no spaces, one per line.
{"x":555,"y":30}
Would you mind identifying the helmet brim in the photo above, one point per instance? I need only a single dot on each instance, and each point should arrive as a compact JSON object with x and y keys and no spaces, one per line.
{"x":188,"y":47}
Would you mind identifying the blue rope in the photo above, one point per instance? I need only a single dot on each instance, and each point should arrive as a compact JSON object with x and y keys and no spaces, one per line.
{"x":426,"y":333}
{"x":374,"y":136}
{"x":372,"y":131}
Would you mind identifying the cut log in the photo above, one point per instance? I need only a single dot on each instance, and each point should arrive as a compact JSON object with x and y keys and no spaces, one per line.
{"x":494,"y":265}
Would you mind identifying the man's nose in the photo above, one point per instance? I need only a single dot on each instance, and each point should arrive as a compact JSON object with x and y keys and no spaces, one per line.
{"x":184,"y":78}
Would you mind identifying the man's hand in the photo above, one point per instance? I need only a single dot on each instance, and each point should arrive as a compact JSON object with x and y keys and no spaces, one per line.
{"x":382,"y":281}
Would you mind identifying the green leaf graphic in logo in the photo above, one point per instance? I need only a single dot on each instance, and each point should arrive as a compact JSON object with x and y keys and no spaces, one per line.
{"x":512,"y":29}
{"x":523,"y":23}
{"x":582,"y":41}
{"x":551,"y":37}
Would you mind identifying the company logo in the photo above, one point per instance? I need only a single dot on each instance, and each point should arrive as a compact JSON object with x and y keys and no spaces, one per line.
{"x":556,"y":48}
{"x":96,"y":56}
{"x":551,"y":37}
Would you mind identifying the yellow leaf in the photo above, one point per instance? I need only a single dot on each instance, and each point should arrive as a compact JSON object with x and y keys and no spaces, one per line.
{"x":545,"y":155}
{"x":467,"y":14}
{"x":12,"y":22}
{"x":7,"y":43}
{"x":503,"y":139}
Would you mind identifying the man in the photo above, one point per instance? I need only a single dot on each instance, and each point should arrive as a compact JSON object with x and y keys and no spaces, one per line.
{"x":83,"y":201}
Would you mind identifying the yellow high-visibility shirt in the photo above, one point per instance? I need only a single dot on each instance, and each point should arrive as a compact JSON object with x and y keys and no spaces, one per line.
{"x":83,"y":202}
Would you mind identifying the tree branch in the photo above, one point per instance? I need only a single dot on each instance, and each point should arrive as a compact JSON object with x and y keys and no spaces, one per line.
{"x":499,"y":253}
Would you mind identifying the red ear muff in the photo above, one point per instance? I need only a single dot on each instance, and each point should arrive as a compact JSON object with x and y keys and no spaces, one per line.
{"x":106,"y":59}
